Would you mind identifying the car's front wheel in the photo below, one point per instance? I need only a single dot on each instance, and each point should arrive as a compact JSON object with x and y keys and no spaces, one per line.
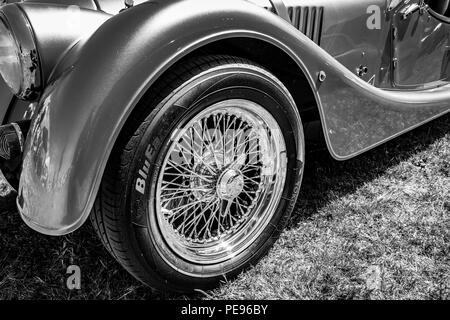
{"x":204,"y":176}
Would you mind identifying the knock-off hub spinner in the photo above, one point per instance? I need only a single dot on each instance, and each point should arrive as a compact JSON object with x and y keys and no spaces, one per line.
{"x":230,"y":184}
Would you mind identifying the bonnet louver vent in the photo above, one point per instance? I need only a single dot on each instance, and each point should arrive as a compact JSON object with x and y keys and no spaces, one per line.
{"x":308,"y":20}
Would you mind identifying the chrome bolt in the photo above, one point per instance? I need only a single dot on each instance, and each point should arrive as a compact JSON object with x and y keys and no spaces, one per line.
{"x":322,"y":76}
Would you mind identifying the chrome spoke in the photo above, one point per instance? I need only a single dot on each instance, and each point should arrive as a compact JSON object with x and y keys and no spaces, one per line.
{"x":179,"y":167}
{"x":195,"y":156}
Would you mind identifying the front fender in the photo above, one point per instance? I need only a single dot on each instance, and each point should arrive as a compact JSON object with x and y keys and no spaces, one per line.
{"x":96,"y":88}
{"x":82,"y":112}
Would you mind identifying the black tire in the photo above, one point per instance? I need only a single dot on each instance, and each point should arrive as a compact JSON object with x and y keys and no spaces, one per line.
{"x":124,"y":217}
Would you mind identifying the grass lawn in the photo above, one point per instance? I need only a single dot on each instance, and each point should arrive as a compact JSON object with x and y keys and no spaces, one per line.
{"x":377,"y":227}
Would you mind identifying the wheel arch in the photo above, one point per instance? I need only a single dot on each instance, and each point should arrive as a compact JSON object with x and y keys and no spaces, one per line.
{"x":277,"y":61}
{"x":273,"y":58}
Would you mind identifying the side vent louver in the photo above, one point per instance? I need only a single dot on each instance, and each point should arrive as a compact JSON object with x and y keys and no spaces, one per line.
{"x":308,"y":20}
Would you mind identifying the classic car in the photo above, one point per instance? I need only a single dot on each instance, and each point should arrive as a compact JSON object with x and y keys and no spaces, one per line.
{"x":179,"y":127}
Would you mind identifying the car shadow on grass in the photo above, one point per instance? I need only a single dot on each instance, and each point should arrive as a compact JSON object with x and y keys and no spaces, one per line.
{"x":326,"y":179}
{"x":33,"y":266}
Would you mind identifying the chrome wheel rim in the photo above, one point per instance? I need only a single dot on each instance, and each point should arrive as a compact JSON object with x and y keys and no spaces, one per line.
{"x":220,"y":183}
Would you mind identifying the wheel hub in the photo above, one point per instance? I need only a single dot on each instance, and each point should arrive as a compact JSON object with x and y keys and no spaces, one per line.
{"x":230,"y":184}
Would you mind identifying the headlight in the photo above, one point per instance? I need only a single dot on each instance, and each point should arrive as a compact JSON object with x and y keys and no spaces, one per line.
{"x":19,"y":62}
{"x":9,"y":58}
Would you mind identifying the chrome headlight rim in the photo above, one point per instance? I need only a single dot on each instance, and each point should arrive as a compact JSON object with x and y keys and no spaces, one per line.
{"x":18,"y":24}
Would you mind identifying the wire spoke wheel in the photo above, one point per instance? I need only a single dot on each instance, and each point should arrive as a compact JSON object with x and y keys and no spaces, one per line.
{"x":221,"y":181}
{"x":205,"y":175}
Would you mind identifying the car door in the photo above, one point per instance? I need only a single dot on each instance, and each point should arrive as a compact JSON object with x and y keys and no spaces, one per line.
{"x":421,"y":50}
